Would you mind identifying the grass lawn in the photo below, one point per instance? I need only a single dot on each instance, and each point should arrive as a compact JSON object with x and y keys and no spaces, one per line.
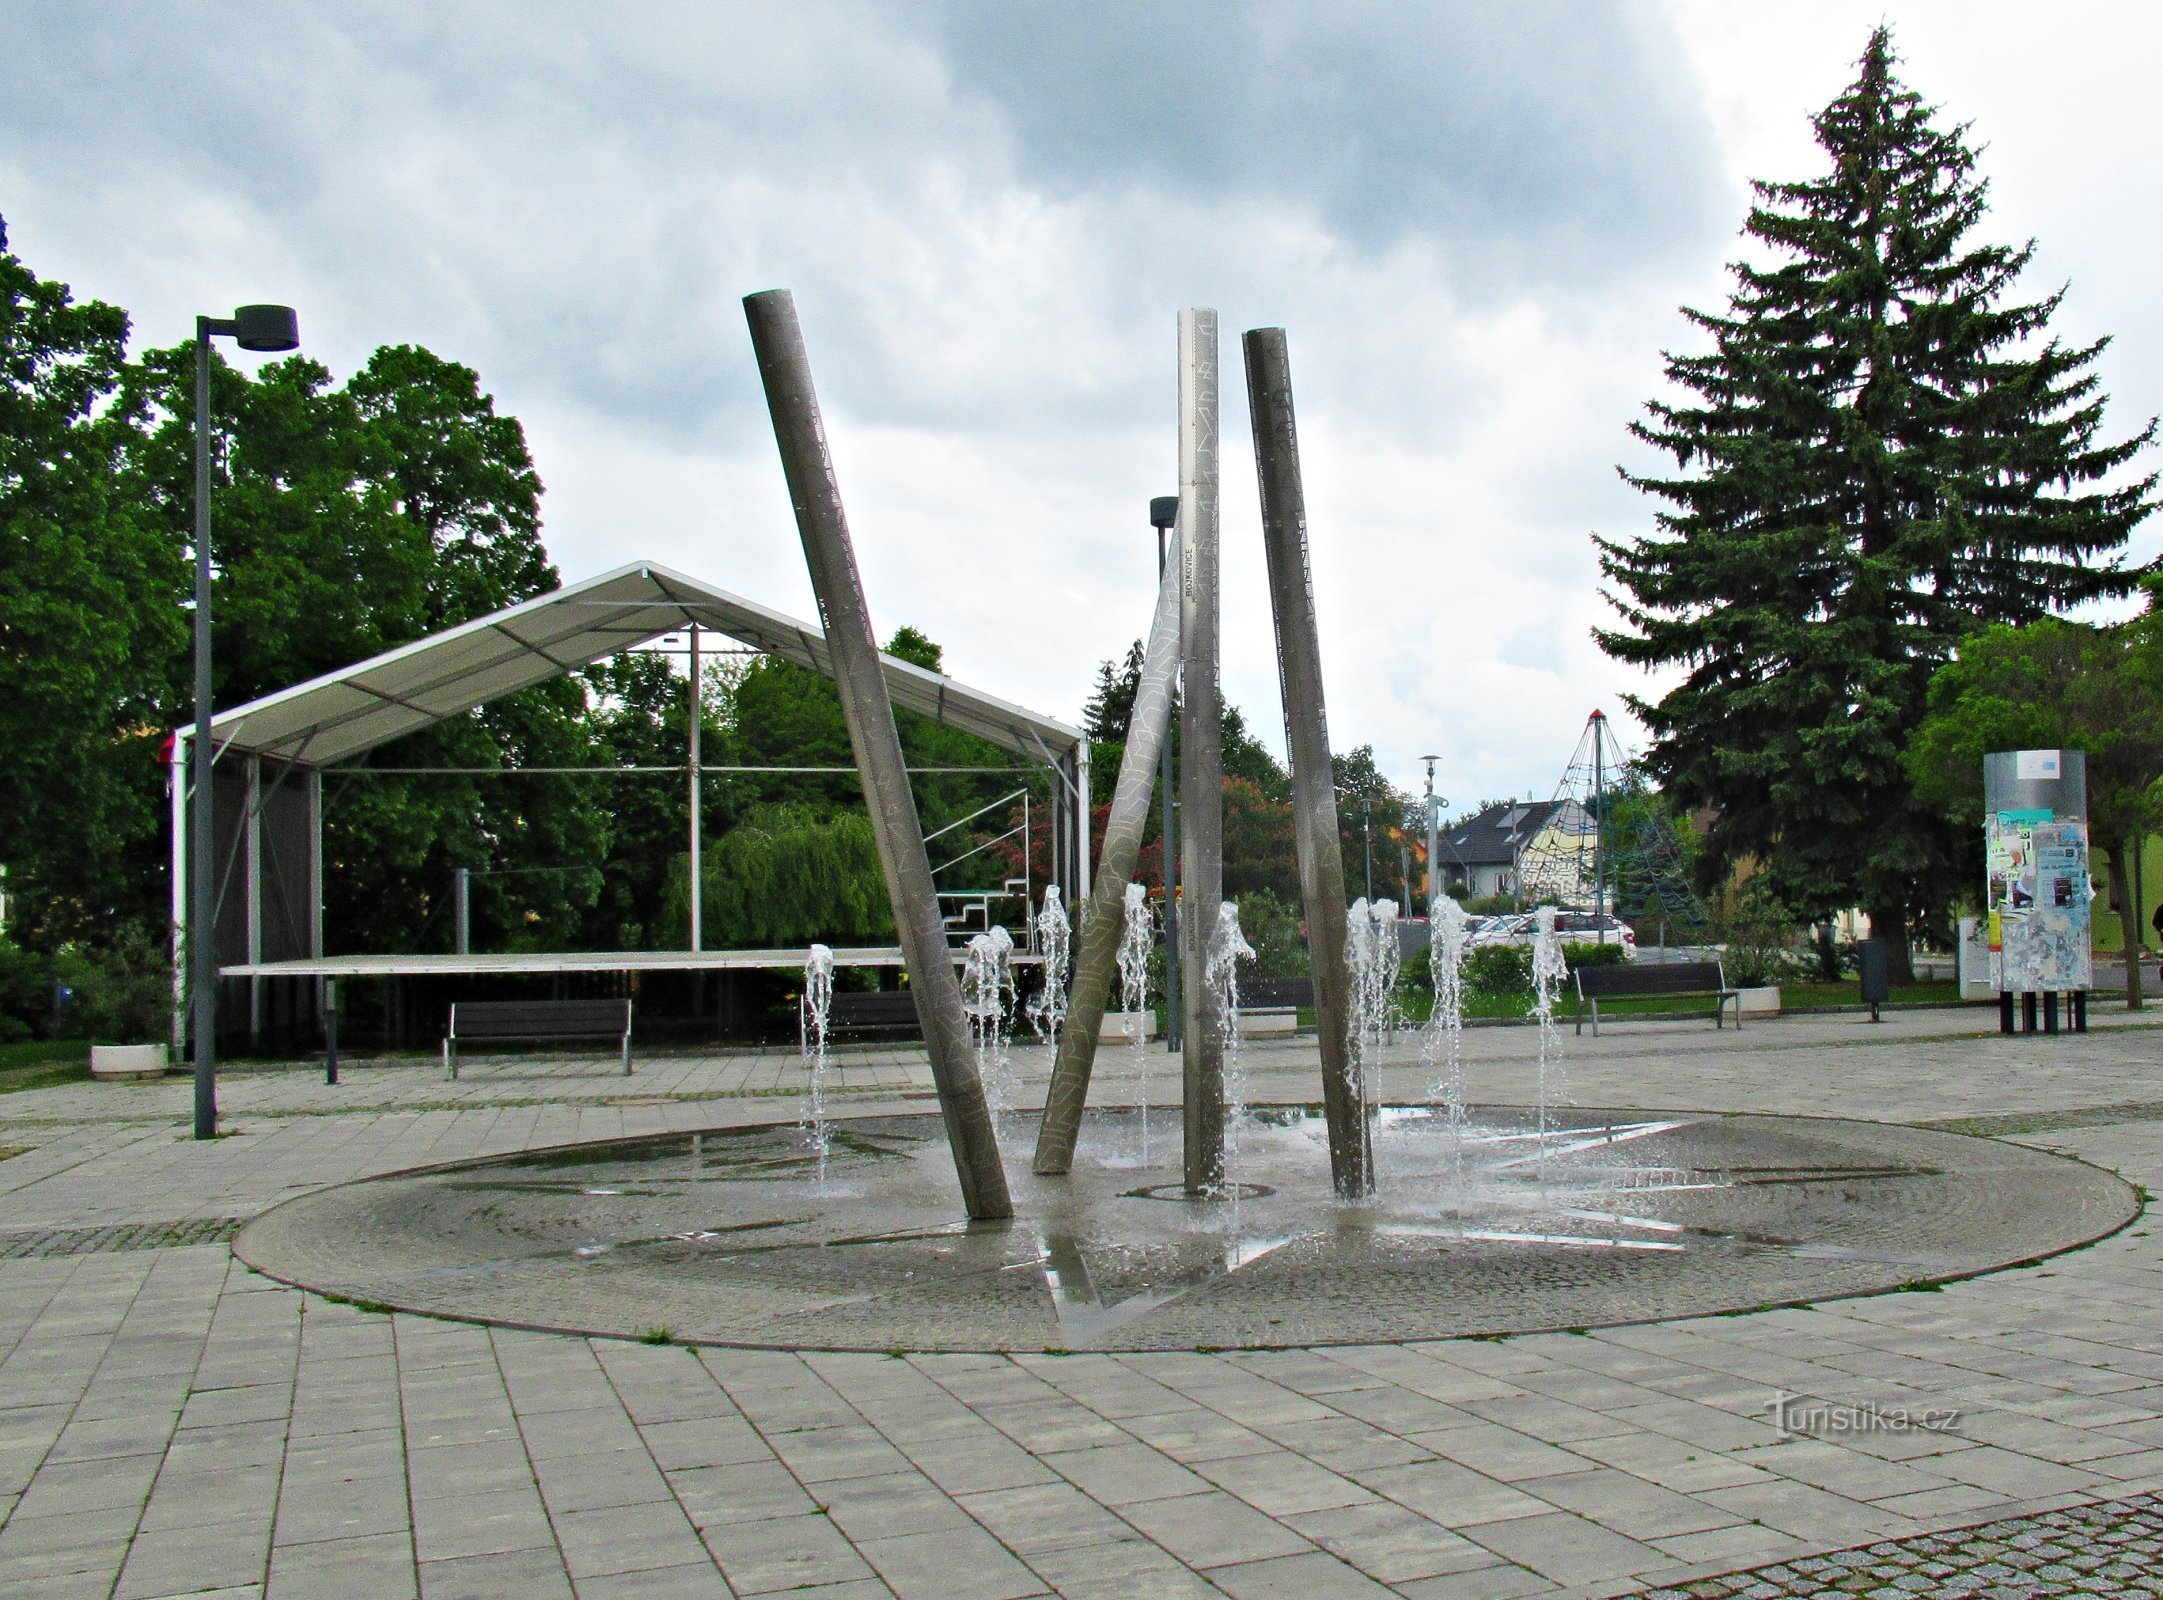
{"x":39,"y":1063}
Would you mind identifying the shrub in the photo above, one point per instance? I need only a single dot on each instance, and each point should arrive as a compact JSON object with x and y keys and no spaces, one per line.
{"x":1761,"y":939}
{"x":1499,"y":971}
{"x":1589,"y":954}
{"x":125,"y":993}
{"x":26,"y":993}
{"x":1272,"y":927}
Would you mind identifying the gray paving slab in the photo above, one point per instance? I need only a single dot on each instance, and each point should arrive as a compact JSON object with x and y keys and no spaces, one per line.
{"x":167,"y":1418}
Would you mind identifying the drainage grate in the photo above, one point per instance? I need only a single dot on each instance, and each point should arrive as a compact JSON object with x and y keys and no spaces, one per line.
{"x":27,"y":1244}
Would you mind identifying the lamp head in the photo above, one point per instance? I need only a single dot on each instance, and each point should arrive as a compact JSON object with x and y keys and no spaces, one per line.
{"x":266,"y":328}
{"x":1164,"y":511}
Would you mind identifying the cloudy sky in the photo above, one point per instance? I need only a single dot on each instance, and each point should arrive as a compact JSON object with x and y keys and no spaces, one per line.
{"x":1476,"y":222}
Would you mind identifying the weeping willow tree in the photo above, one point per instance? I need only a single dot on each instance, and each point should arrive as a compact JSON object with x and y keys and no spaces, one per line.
{"x":784,"y":876}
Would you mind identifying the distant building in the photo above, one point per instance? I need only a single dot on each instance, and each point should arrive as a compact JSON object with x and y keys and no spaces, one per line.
{"x":1520,"y":847}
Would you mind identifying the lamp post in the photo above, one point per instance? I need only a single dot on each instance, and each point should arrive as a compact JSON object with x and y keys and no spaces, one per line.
{"x":264,"y":328}
{"x":1366,"y":811}
{"x":1433,"y":837}
{"x":1163,"y":513}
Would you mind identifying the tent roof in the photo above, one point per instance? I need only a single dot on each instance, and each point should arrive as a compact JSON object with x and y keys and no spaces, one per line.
{"x":342,"y":714}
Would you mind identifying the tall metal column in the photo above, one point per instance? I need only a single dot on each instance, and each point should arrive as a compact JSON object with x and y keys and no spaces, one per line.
{"x":1306,"y":738}
{"x":785,"y":370}
{"x":1201,"y":748}
{"x":1105,"y":919}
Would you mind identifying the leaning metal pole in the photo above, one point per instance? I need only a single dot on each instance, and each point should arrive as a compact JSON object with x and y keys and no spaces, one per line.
{"x":1105,"y":919}
{"x":1306,"y":738}
{"x":1201,"y":750}
{"x":785,"y":370}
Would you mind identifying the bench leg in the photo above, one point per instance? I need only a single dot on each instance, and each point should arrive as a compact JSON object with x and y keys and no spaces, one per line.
{"x":627,"y":1055}
{"x":450,"y":1058}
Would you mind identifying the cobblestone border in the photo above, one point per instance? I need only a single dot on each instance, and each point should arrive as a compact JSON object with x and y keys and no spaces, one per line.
{"x":2113,"y":1547}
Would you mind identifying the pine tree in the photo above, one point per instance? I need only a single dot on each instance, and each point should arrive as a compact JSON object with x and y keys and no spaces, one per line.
{"x":1883,"y":452}
{"x":1111,"y":705}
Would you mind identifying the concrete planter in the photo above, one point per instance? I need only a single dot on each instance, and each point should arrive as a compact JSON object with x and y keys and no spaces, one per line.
{"x":127,"y":1063}
{"x":1123,"y":1027}
{"x":1273,"y":1023}
{"x":1763,"y":1002}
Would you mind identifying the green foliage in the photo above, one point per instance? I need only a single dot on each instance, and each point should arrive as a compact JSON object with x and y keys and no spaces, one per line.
{"x":1881,"y":453}
{"x":1416,"y":975}
{"x":89,"y":620}
{"x":1593,"y":955}
{"x":1499,"y":972}
{"x":784,"y":876}
{"x":1494,"y":905}
{"x":26,"y":993}
{"x":1761,"y":938}
{"x":1261,"y":852}
{"x":1271,"y":924}
{"x":124,"y":995}
{"x":1110,"y":707}
{"x":2050,"y":685}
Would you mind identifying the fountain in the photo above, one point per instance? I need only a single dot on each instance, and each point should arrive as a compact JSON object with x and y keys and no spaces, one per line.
{"x":1220,"y":970}
{"x":1548,"y":970}
{"x":987,"y":984}
{"x":1443,"y":1046}
{"x":1046,"y":1009}
{"x":1538,"y":1217}
{"x":813,"y":1007}
{"x":1137,"y":939}
{"x":1372,"y":954}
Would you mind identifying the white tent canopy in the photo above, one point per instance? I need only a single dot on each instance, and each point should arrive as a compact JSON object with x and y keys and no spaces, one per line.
{"x":283,"y":743}
{"x":347,"y":712}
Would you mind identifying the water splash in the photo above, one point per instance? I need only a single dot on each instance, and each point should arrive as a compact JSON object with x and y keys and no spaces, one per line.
{"x":1220,"y":970}
{"x":1137,"y":938}
{"x":1046,"y":1009}
{"x":987,"y":984}
{"x":1548,"y":970}
{"x":1443,"y":1047}
{"x":1372,"y":952}
{"x":813,"y":1007}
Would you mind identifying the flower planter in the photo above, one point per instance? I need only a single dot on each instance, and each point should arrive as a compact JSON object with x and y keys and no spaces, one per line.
{"x":1761,"y":1002}
{"x":126,"y":1063}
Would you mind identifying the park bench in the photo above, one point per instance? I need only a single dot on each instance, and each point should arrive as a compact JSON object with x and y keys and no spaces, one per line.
{"x":1655,"y":980}
{"x":475,"y":1020}
{"x":1271,"y":1005}
{"x":872,"y":1011}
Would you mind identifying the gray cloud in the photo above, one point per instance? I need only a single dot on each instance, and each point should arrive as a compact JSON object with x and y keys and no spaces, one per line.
{"x":1547,"y":142}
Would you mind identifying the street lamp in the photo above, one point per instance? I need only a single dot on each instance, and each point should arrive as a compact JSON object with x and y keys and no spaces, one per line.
{"x":1163,"y":514}
{"x":264,"y":328}
{"x":1433,"y":835}
{"x":1366,"y":810}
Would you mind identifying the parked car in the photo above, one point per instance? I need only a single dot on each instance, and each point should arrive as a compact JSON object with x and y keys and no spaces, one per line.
{"x":1574,"y":927}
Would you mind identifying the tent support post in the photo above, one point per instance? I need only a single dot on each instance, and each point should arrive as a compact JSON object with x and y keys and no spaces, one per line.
{"x":697,"y":716}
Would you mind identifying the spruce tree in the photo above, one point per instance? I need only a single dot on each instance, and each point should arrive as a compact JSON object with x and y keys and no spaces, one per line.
{"x":1884,"y":450}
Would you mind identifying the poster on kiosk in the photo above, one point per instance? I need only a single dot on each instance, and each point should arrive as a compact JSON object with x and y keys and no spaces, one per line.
{"x":2038,"y":891}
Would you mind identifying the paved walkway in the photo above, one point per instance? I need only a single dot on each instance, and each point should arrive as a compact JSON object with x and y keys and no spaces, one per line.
{"x":173,"y":1425}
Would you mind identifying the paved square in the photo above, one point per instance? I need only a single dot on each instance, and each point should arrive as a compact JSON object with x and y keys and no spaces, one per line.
{"x":172,"y":1424}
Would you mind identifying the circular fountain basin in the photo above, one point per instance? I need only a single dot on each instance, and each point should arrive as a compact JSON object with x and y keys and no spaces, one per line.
{"x":733,"y":1236}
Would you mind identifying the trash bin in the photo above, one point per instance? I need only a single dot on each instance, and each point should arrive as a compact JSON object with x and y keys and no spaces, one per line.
{"x":1871,"y":969}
